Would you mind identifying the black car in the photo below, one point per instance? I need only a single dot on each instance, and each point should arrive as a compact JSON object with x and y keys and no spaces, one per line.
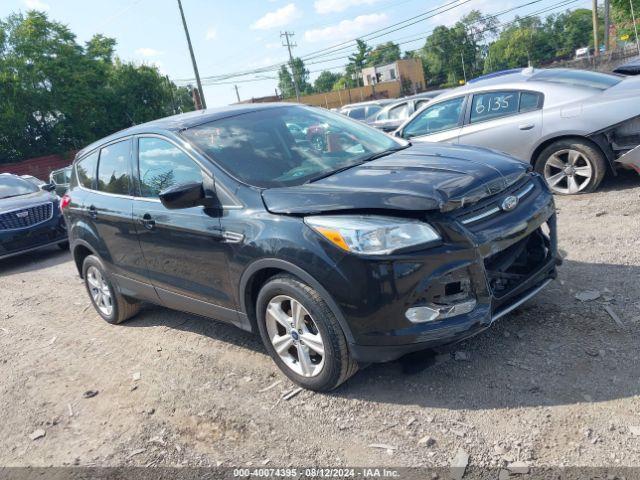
{"x":30,"y":217}
{"x":360,"y":252}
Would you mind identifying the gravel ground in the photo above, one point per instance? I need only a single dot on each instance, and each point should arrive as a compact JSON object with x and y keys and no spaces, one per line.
{"x":555,"y":383}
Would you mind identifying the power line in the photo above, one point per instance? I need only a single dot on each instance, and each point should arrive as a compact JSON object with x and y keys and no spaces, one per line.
{"x":278,"y":65}
{"x":219,"y":80}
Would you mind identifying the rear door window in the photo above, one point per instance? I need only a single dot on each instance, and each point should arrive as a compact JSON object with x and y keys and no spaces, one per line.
{"x":487,"y":106}
{"x":86,"y":170}
{"x":114,"y":172}
{"x":492,"y":105}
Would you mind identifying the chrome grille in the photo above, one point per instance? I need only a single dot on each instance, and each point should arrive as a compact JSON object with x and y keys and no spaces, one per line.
{"x":487,"y":210}
{"x":26,"y":217}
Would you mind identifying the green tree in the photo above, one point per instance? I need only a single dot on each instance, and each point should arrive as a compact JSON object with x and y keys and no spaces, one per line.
{"x":384,"y":54}
{"x":521,"y":44}
{"x":449,"y":55}
{"x":621,"y":15}
{"x":358,"y":60}
{"x":344,"y":82}
{"x":57,"y":95}
{"x":301,"y":76}
{"x":285,"y":83}
{"x":325,"y":81}
{"x":570,"y":30}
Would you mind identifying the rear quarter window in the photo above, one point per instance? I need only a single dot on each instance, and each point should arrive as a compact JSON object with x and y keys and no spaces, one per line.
{"x":530,"y":101}
{"x":86,"y":170}
{"x":114,"y":168}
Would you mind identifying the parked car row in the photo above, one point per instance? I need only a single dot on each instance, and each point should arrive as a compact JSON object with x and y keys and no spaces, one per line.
{"x":338,"y":244}
{"x":572,"y":126}
{"x":394,"y":114}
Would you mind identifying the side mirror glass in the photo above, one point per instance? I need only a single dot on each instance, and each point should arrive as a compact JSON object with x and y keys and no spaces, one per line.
{"x":48,"y":187}
{"x":183,"y":195}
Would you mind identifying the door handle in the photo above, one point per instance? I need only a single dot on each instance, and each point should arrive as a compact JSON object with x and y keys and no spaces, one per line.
{"x":526,"y":126}
{"x":148,"y":222}
{"x":93,"y":212}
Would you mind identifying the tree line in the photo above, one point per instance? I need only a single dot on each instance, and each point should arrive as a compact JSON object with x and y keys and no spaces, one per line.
{"x":475,"y":45}
{"x":57,"y":95}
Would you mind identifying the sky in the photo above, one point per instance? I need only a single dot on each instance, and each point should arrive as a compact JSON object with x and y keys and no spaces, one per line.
{"x":237,"y":35}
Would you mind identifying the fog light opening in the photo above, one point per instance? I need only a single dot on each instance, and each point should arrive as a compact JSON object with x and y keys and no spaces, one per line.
{"x":432,"y":312}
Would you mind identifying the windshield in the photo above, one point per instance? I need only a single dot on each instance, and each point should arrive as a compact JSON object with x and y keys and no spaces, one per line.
{"x":578,"y":78}
{"x":289,"y":145}
{"x":14,"y":186}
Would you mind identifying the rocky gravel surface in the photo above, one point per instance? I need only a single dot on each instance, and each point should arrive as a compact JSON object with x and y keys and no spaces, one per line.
{"x":556,"y":383}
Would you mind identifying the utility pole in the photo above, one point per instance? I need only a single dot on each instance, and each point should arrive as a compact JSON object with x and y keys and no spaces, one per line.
{"x":237,"y":94}
{"x":193,"y":57}
{"x":288,"y":44}
{"x":635,"y":27}
{"x":607,"y":24}
{"x":594,"y":16}
{"x":464,"y":71}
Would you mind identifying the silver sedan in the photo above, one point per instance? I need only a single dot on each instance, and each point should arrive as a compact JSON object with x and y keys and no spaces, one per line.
{"x":572,"y":126}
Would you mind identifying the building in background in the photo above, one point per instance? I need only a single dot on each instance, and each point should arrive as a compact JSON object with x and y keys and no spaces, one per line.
{"x":408,"y":73}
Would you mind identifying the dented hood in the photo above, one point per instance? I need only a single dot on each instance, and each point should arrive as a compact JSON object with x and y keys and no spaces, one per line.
{"x":422,"y":177}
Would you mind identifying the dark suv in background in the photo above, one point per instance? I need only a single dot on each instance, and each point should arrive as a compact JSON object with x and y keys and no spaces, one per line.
{"x":359,"y":252}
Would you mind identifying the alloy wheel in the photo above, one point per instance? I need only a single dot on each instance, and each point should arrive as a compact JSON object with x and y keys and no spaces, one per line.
{"x":100,"y":291}
{"x":295,"y":336}
{"x":568,"y":171}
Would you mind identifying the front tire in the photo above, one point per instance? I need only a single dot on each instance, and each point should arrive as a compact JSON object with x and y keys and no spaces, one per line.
{"x":572,"y":166}
{"x":302,"y":334}
{"x":108,"y":302}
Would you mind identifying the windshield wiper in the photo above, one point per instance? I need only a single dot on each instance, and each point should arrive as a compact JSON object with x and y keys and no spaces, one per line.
{"x":333,"y":172}
{"x":366,"y":159}
{"x":384,"y":153}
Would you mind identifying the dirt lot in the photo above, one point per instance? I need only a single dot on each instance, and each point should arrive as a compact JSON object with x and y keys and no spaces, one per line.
{"x":555,"y":383}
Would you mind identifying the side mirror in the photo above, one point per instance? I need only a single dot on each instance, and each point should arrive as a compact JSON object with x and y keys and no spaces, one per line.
{"x":183,"y":195}
{"x":48,"y":187}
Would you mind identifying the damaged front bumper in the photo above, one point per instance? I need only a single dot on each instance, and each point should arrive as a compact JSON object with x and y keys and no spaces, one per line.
{"x":631,"y":159}
{"x":483,"y":271}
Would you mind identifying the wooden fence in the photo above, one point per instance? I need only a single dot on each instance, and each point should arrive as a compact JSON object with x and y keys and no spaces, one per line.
{"x":39,"y":167}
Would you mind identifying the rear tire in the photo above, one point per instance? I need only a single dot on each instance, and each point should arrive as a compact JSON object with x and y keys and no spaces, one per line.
{"x":108,"y":302}
{"x":572,"y":166}
{"x":316,"y":329}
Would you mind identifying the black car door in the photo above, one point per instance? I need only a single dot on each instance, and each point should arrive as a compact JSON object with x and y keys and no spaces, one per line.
{"x":184,"y":250}
{"x":108,"y":206}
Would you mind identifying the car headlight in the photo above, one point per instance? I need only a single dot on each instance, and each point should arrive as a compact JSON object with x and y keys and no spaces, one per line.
{"x":372,"y":235}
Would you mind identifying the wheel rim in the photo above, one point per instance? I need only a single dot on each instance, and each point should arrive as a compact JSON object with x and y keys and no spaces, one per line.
{"x":568,"y":171}
{"x":100,"y":291}
{"x":295,"y":336}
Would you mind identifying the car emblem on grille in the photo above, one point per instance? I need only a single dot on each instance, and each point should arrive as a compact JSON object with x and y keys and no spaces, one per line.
{"x":22,"y":214}
{"x":509,"y":203}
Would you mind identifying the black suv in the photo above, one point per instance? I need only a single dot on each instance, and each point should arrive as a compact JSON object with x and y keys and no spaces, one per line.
{"x":359,"y":252}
